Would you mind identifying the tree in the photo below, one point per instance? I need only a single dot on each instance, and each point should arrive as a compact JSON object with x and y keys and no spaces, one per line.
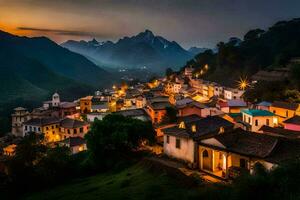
{"x":169,"y":72}
{"x":116,"y":134}
{"x":171,"y":115}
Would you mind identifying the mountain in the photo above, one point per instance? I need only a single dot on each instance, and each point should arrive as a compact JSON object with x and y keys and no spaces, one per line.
{"x":144,"y":49}
{"x":33,"y":68}
{"x":197,"y":50}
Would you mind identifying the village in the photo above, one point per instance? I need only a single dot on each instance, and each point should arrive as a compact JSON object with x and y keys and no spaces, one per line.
{"x":202,"y":124}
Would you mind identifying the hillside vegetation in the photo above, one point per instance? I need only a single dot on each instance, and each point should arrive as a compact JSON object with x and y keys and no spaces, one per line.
{"x":259,"y":49}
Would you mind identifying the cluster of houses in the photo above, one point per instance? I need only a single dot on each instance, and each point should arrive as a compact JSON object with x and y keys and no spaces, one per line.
{"x":214,"y":129}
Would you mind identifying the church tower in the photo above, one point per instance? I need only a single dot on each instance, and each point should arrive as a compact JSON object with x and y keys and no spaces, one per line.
{"x":55,"y":100}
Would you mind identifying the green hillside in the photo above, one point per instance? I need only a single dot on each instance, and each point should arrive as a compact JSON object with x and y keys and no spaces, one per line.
{"x":136,"y":182}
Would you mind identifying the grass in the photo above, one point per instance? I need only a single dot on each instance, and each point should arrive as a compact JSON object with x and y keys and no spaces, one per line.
{"x":135,"y":182}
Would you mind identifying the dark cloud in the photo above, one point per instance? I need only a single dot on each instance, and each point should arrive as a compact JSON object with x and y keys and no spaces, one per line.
{"x":66,"y":32}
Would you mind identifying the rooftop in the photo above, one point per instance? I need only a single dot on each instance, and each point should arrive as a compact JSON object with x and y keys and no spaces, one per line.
{"x":72,"y":123}
{"x":293,"y":120}
{"x":42,"y":121}
{"x":256,"y":113}
{"x":285,"y":105}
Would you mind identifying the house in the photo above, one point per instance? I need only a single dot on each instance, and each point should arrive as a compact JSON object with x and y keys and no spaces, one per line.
{"x":230,"y":154}
{"x":191,"y":108}
{"x":231,"y":106}
{"x":179,"y":140}
{"x":285,"y":110}
{"x":48,"y":126}
{"x":68,"y":109}
{"x":20,"y":116}
{"x":232,"y":93}
{"x":188,"y":71}
{"x":76,"y":144}
{"x":86,"y":104}
{"x":73,"y":128}
{"x":264,"y":105}
{"x":292,"y":123}
{"x":9,"y":150}
{"x":140,"y":101}
{"x":101,"y":107}
{"x":157,"y":111}
{"x":254,"y":119}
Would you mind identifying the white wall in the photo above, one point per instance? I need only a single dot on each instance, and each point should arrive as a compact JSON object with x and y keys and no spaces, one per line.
{"x":186,"y":151}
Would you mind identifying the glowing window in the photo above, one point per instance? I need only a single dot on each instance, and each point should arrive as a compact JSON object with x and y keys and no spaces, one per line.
{"x":222,"y":130}
{"x":194,"y":128}
{"x":181,"y":125}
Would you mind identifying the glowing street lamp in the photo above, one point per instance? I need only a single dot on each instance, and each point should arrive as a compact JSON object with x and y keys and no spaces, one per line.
{"x":206,"y":67}
{"x":243,"y":83}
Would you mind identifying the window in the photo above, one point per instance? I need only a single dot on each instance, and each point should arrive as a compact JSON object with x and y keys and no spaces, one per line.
{"x":69,"y":132}
{"x":274,"y":111}
{"x":168,"y":139}
{"x":53,"y":132}
{"x":52,"y":127}
{"x":47,"y":128}
{"x":268,"y":122}
{"x":34,"y":129}
{"x":256,"y":122}
{"x":81,"y":130}
{"x":177,"y":143}
{"x":243,"y":163}
{"x":205,"y":154}
{"x":39,"y":129}
{"x":287,"y":113}
{"x":222,"y":130}
{"x":56,"y":126}
{"x":25,"y":128}
{"x":249,"y":121}
{"x":75,"y":131}
{"x":181,"y":125}
{"x":194,"y":128}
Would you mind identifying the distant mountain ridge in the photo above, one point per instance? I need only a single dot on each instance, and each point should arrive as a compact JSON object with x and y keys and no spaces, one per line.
{"x":32,"y":68}
{"x":143,"y":49}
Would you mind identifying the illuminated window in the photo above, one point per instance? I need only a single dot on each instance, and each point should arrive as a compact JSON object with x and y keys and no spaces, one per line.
{"x":287,"y":113}
{"x":222,"y":130}
{"x":194,"y":128}
{"x":181,"y":125}
{"x":268,"y":122}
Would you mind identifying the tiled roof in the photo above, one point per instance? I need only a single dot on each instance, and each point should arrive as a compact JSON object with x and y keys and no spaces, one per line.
{"x":285,"y":105}
{"x":254,"y":112}
{"x":264,"y":103}
{"x":72,"y":123}
{"x":67,"y":105}
{"x":74,"y":141}
{"x":42,"y":121}
{"x":132,"y":113}
{"x":293,"y":120}
{"x":160,"y":105}
{"x":189,"y":118}
{"x":236,"y":103}
{"x":280,"y":132}
{"x":247,"y":143}
{"x":205,"y":127}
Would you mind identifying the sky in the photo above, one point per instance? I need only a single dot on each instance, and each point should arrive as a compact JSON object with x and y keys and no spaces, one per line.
{"x":201,"y":23}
